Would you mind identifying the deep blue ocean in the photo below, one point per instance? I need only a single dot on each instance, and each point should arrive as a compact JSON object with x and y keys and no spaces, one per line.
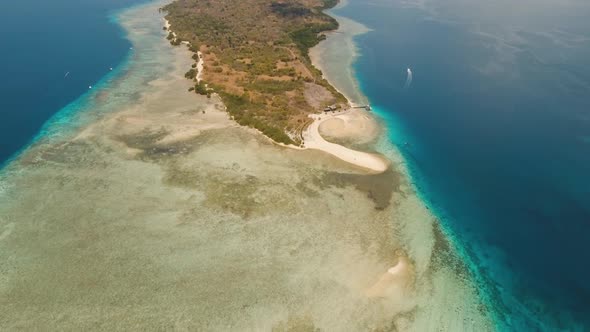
{"x":495,"y":127}
{"x":41,"y":42}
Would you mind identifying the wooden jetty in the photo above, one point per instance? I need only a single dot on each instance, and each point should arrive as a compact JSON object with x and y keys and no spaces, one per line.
{"x":366,"y":107}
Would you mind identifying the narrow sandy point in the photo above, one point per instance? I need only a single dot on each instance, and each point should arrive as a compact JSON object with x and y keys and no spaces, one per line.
{"x":313,"y":140}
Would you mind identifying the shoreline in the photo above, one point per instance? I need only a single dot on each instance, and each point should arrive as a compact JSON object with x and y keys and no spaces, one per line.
{"x":312,"y":136}
{"x":351,"y":90}
{"x":378,"y":163}
{"x":200,"y":64}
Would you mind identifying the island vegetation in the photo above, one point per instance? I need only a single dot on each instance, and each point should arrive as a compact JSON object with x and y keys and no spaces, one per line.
{"x":255,"y":55}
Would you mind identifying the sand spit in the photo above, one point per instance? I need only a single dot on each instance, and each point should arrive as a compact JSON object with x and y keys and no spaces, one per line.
{"x":314,"y":140}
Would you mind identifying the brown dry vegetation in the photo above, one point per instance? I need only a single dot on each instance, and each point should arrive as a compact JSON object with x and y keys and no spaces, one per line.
{"x":256,"y":58}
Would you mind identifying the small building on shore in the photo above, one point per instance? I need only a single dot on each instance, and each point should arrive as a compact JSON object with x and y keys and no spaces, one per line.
{"x":331,"y":108}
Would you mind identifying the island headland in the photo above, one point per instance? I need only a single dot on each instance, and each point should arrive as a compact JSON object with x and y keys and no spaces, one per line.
{"x":255,"y":56}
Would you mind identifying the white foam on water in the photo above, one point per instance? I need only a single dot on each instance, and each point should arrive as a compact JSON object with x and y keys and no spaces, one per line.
{"x":408,"y":79}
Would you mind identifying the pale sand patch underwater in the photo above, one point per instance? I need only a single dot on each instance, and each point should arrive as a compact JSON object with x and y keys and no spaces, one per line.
{"x":354,"y":127}
{"x":155,"y":215}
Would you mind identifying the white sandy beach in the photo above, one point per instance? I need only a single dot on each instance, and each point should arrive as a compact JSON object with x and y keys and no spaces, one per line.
{"x":314,"y":140}
{"x":200,"y":67}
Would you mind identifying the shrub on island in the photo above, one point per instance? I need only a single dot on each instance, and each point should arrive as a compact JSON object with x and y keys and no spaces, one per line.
{"x":201,"y":88}
{"x":191,"y":74}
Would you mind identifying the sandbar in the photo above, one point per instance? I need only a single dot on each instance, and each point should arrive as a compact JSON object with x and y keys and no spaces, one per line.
{"x":314,"y":140}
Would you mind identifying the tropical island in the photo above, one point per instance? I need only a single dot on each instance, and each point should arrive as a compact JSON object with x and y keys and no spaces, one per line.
{"x":147,"y":207}
{"x":255,"y":56}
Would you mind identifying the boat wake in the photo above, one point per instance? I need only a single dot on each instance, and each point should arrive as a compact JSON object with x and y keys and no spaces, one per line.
{"x":408,"y":79}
